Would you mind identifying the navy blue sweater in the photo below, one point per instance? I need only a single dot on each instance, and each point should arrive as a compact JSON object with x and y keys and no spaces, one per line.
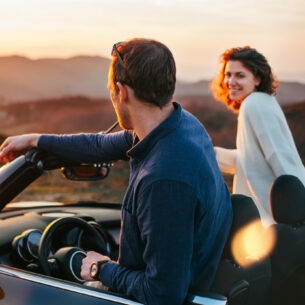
{"x":176,"y":212}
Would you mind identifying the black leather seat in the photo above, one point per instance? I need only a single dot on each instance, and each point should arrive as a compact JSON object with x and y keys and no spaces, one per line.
{"x":243,"y":284}
{"x":287,"y":200}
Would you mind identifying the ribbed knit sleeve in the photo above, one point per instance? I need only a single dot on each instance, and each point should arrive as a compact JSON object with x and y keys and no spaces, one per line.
{"x":88,"y":147}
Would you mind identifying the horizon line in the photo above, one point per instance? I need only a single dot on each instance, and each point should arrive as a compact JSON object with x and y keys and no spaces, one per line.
{"x":289,"y":78}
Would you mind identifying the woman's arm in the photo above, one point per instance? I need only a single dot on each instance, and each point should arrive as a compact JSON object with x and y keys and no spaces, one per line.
{"x":226,"y":159}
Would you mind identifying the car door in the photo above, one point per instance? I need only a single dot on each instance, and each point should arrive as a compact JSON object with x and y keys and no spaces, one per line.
{"x":24,"y":288}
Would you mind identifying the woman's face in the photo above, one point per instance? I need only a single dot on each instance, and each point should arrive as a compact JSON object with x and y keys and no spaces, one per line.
{"x":239,"y":81}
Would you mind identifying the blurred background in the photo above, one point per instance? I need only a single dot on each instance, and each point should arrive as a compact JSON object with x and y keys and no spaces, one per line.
{"x":55,"y":55}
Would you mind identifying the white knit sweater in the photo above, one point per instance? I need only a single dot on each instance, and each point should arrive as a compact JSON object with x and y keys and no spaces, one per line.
{"x":265,"y":149}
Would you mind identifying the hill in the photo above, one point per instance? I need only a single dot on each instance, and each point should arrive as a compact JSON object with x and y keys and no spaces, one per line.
{"x":62,"y":115}
{"x":24,"y":79}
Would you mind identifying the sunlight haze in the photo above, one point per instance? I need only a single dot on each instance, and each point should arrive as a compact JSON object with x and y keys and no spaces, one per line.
{"x":197,"y":31}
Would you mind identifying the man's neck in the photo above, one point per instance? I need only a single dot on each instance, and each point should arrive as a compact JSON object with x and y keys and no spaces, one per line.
{"x":148,"y":118}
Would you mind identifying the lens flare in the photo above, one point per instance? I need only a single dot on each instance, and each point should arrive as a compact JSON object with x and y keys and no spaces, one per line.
{"x":252,"y":243}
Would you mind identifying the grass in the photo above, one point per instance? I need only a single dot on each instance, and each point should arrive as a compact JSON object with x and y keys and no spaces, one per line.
{"x":52,"y":186}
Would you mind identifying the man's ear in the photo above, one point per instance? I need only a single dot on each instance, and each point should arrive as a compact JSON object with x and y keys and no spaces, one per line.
{"x":123,"y":92}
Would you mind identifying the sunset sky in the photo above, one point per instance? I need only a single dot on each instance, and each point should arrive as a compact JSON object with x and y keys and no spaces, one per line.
{"x":197,"y":31}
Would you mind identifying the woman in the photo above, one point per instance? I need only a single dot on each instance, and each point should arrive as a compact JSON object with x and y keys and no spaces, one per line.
{"x":265,"y":148}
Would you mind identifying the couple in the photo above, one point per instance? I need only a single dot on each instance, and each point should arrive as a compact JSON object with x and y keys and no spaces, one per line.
{"x":176,"y":213}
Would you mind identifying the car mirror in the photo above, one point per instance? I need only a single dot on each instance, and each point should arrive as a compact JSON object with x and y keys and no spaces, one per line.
{"x":86,"y":172}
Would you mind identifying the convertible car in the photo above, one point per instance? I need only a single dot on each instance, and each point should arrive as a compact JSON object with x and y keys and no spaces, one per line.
{"x":42,"y":242}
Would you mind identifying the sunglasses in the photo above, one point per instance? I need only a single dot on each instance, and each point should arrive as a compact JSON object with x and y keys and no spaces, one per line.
{"x":118,"y":55}
{"x":115,"y":50}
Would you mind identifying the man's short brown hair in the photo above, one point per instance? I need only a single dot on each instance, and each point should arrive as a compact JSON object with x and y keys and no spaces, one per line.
{"x":147,"y":66}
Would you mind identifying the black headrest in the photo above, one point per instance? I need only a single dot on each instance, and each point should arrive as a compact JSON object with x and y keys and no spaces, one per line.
{"x":244,"y":213}
{"x":287,"y":200}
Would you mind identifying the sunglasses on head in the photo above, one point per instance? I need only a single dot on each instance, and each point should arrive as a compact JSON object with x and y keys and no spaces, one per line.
{"x":118,"y":55}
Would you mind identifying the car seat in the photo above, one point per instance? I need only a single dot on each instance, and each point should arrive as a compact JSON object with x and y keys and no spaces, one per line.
{"x":287,"y":200}
{"x":243,"y":284}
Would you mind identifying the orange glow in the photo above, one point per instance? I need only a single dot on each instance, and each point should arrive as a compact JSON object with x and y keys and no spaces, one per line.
{"x":252,"y":243}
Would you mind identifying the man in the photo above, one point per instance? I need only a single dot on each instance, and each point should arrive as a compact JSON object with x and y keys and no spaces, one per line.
{"x":176,"y":212}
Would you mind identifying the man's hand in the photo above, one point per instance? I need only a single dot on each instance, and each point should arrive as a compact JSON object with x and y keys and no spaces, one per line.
{"x":91,"y":258}
{"x":14,"y":146}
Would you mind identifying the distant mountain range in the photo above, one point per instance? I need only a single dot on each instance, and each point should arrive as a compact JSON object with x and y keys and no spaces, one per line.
{"x":24,"y":79}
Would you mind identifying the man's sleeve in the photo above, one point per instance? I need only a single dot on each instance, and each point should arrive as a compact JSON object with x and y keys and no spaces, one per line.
{"x":166,"y":222}
{"x":88,"y":147}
